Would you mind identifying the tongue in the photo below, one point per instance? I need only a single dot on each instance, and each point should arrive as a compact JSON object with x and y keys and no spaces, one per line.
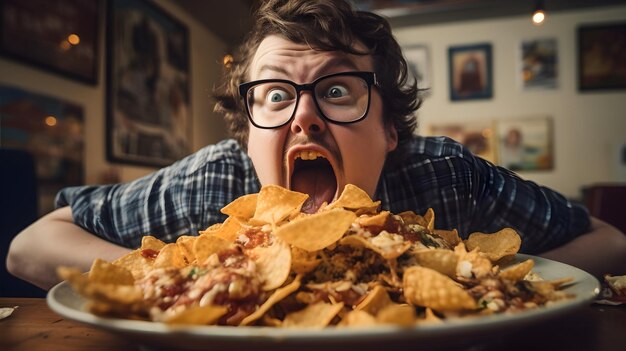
{"x":318,"y":182}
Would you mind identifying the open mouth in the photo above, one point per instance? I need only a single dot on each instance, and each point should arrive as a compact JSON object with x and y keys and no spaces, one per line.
{"x":314,"y":175}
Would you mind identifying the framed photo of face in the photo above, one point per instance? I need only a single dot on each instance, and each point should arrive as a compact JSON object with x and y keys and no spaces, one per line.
{"x":58,"y":36}
{"x":601,"y":57}
{"x":470,"y":72}
{"x":525,"y":144}
{"x":148,"y":98}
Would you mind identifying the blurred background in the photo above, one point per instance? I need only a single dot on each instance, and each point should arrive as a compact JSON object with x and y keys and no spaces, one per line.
{"x":106,"y":91}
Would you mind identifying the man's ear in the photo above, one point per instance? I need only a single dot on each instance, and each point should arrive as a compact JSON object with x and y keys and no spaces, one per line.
{"x":392,"y":137}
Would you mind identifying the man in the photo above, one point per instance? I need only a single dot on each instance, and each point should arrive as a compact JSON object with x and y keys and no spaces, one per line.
{"x":320,"y":100}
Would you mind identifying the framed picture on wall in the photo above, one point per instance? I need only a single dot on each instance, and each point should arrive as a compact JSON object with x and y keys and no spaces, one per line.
{"x":601,"y":57}
{"x":52,"y":131}
{"x":58,"y":36}
{"x":148,"y":98}
{"x":477,"y":136}
{"x":525,"y":144}
{"x":418,"y":59}
{"x":470,"y":72}
{"x":539,"y":64}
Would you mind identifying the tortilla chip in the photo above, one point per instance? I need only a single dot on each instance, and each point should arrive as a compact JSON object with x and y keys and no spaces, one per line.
{"x":353,"y":198}
{"x":274,"y":204}
{"x":317,"y":231}
{"x":198,"y":315}
{"x":243,"y":207}
{"x":441,"y":260}
{"x":374,"y":301}
{"x":107,"y":273}
{"x":517,"y":272}
{"x":170,"y":256}
{"x":505,"y":242}
{"x":207,"y":245}
{"x":357,"y":318}
{"x":276,"y":297}
{"x":429,"y":288}
{"x":317,"y":315}
{"x":273,"y":263}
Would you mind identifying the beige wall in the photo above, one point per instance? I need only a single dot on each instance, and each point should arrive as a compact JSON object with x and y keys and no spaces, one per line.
{"x":588,"y":126}
{"x":206,"y":54}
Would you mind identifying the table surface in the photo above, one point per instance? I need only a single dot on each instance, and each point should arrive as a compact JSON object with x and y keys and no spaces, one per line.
{"x":33,"y":326}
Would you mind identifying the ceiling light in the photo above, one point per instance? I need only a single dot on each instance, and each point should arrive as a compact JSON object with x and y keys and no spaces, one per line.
{"x":539,"y":15}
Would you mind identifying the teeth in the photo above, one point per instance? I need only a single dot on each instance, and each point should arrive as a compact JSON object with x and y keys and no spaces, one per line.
{"x":308,"y":155}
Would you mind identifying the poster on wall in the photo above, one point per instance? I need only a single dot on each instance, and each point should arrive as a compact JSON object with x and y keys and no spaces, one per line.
{"x":525,"y":144}
{"x":60,"y":36}
{"x":148,"y":97}
{"x":470,"y":72}
{"x":52,"y":131}
{"x":418,"y":61}
{"x":539,"y":64}
{"x":601,"y":57}
{"x":477,"y":136}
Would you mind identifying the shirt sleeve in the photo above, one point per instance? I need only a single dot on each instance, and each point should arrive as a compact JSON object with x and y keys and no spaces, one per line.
{"x":543,"y":217}
{"x":177,"y":200}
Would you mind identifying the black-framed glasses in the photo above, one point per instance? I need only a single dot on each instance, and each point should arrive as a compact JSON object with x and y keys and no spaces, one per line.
{"x":340,"y":98}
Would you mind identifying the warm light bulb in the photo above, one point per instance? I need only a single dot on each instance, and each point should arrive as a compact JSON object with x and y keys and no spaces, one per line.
{"x":228,"y":60}
{"x":73,"y":39}
{"x":51,"y":121}
{"x":538,"y":17}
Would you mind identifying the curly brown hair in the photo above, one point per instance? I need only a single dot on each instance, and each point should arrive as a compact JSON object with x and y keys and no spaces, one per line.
{"x":328,"y":25}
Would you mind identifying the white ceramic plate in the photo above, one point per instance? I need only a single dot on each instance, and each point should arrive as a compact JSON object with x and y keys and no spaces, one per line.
{"x":66,"y":302}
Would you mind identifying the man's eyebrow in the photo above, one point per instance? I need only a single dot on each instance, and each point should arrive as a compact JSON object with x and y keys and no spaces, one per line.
{"x":333,"y":62}
{"x":274,"y":68}
{"x":337,"y":61}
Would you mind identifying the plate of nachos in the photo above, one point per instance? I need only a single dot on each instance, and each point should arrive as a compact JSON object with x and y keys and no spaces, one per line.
{"x":349,"y":275}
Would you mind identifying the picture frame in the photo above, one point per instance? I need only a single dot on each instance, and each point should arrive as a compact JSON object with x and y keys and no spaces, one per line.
{"x":526,"y":144}
{"x":470,"y":72}
{"x":539,"y":64}
{"x":58,"y":36}
{"x":149,"y":117}
{"x":52,"y":130}
{"x":477,"y":136}
{"x":419,"y":66}
{"x":601,"y":50}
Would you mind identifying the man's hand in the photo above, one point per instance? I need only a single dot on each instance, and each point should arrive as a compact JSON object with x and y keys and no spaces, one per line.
{"x":600,"y":251}
{"x":54,"y":240}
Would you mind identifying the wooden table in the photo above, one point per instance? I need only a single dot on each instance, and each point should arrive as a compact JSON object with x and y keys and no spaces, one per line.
{"x":33,"y":326}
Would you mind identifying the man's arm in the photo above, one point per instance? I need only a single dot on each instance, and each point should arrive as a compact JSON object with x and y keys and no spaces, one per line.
{"x":52,"y":241}
{"x":600,"y":251}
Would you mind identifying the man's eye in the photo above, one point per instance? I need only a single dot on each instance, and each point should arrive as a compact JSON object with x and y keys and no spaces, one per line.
{"x":336,"y":91}
{"x":277,"y":95}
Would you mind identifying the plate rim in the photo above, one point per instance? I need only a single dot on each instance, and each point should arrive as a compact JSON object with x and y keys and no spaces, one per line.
{"x":473,"y":324}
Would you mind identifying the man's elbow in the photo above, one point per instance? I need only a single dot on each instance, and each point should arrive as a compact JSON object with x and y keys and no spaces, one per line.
{"x":21,"y":261}
{"x":16,"y":262}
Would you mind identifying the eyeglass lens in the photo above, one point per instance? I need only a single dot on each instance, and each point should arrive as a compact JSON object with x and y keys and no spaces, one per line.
{"x":340,"y":98}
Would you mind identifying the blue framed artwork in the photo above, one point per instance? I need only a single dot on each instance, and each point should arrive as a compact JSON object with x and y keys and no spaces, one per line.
{"x":52,"y":131}
{"x":470,"y":71}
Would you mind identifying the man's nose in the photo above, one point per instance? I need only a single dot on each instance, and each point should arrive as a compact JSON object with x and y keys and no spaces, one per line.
{"x":307,"y":118}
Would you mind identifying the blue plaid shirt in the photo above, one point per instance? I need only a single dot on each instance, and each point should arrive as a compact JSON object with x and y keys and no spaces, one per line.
{"x":465,"y":191}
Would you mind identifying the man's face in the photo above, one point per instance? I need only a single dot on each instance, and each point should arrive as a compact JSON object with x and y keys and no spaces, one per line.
{"x":311,"y":154}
